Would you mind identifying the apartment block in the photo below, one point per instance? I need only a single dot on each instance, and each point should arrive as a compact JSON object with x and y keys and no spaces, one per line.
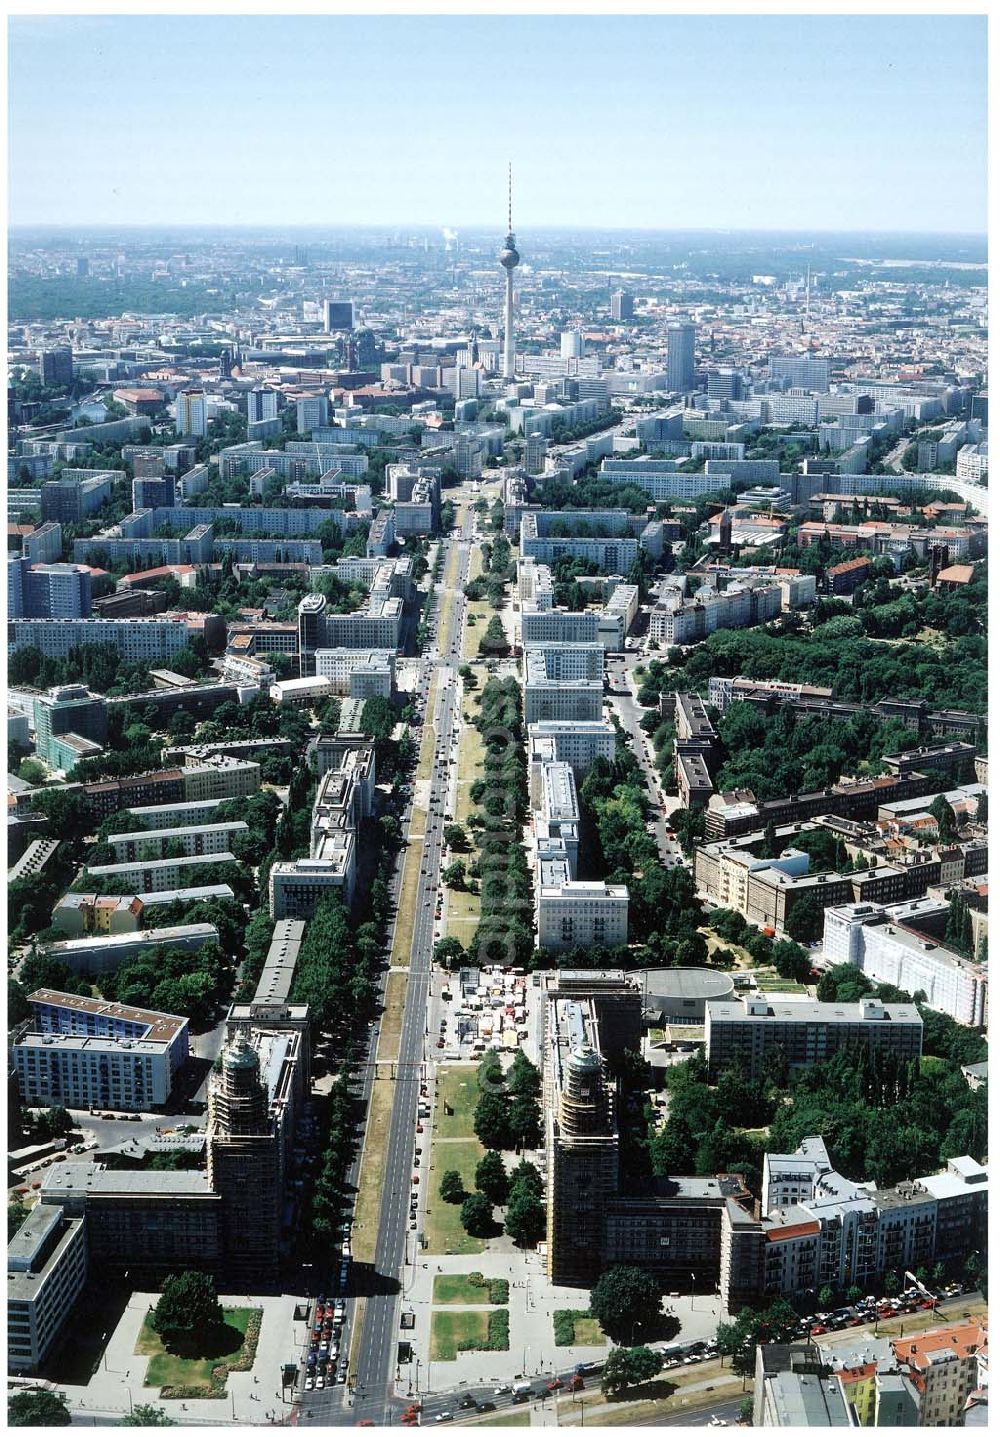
{"x":86,"y":1053}
{"x":344,"y":798}
{"x":874,"y":938}
{"x":577,"y":744}
{"x":564,"y":682}
{"x":739,"y":1032}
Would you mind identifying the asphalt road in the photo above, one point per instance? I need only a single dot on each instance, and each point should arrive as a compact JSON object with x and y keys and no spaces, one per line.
{"x":374,"y":1399}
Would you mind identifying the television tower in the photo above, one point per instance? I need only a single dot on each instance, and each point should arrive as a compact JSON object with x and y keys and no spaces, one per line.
{"x":510,"y":259}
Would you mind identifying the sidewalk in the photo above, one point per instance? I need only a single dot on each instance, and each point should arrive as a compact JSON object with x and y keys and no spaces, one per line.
{"x":250,"y":1397}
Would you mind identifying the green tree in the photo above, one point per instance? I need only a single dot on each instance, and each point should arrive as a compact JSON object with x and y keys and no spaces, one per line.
{"x":491,"y":1178}
{"x":826,"y":1296}
{"x":452,"y":1188}
{"x":147,"y":1414}
{"x":188,"y":1309}
{"x":477,"y":1215}
{"x":449,"y":953}
{"x":523,"y":1078}
{"x":525,"y":1176}
{"x":942,"y":811}
{"x":525,"y":1121}
{"x":525,"y":1220}
{"x":37,"y":1408}
{"x":454,"y":875}
{"x":805,"y":922}
{"x":492,"y":1121}
{"x":628,"y":1366}
{"x":624,"y":1297}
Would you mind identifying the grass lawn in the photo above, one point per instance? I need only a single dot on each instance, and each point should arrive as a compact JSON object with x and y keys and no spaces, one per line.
{"x":443,"y":1231}
{"x":576,"y":1328}
{"x":457,"y":1089}
{"x":459,"y":1287}
{"x":370,"y":1179}
{"x":461,"y":915}
{"x":740,"y":955}
{"x":455,"y":1332}
{"x":470,"y":767}
{"x":587,"y":1332}
{"x":392,"y":1015}
{"x":515,"y":1419}
{"x":480,"y":610}
{"x":402,"y":936}
{"x":168,"y":1369}
{"x":772,"y":983}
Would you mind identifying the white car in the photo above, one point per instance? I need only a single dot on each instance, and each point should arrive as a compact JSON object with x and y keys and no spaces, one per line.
{"x":309,"y":1384}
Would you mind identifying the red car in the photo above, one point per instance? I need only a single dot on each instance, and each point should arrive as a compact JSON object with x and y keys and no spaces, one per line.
{"x":817,"y":1331}
{"x":555,"y":1384}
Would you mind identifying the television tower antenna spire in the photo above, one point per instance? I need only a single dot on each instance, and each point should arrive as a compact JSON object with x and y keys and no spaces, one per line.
{"x":509,"y":259}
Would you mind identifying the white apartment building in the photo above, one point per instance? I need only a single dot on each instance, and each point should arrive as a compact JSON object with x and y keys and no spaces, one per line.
{"x":135,"y":639}
{"x":577,"y":744}
{"x":564,"y":683}
{"x":972,"y":463}
{"x":534,"y":585}
{"x":87,"y":1053}
{"x":688,"y":621}
{"x":155,"y":875}
{"x":866,"y":935}
{"x":359,"y":673}
{"x":195,"y":840}
{"x":343,"y":799}
{"x":559,"y":626}
{"x":46,"y":1272}
{"x":570,"y":914}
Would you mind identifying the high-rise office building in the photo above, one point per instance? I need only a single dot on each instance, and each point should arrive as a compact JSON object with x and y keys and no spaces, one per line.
{"x":192,"y":413}
{"x":56,"y":366}
{"x":312,"y":413}
{"x":48,"y":591}
{"x":338,"y":314}
{"x":571,"y":344}
{"x":800,"y":371}
{"x":622,"y":306}
{"x":154,"y":493}
{"x":680,"y":357}
{"x":82,"y":267}
{"x":72,"y":709}
{"x":261,"y":404}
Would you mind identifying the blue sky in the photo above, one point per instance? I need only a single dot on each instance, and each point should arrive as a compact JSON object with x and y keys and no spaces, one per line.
{"x":728,"y":122}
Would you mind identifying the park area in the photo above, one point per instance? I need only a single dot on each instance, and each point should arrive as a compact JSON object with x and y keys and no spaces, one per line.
{"x":455,"y":1147}
{"x":201,"y":1372}
{"x":465,"y":1331}
{"x":470,"y":1289}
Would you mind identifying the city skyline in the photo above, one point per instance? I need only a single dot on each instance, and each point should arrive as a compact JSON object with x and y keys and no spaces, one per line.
{"x":659,"y":102}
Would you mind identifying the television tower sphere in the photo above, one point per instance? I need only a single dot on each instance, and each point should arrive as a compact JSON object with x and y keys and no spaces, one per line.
{"x":509,"y":256}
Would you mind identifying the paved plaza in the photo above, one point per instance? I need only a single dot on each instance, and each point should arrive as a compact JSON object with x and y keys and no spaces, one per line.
{"x":251,"y":1397}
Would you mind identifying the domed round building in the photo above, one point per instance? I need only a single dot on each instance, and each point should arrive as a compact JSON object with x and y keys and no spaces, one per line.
{"x":678,"y":995}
